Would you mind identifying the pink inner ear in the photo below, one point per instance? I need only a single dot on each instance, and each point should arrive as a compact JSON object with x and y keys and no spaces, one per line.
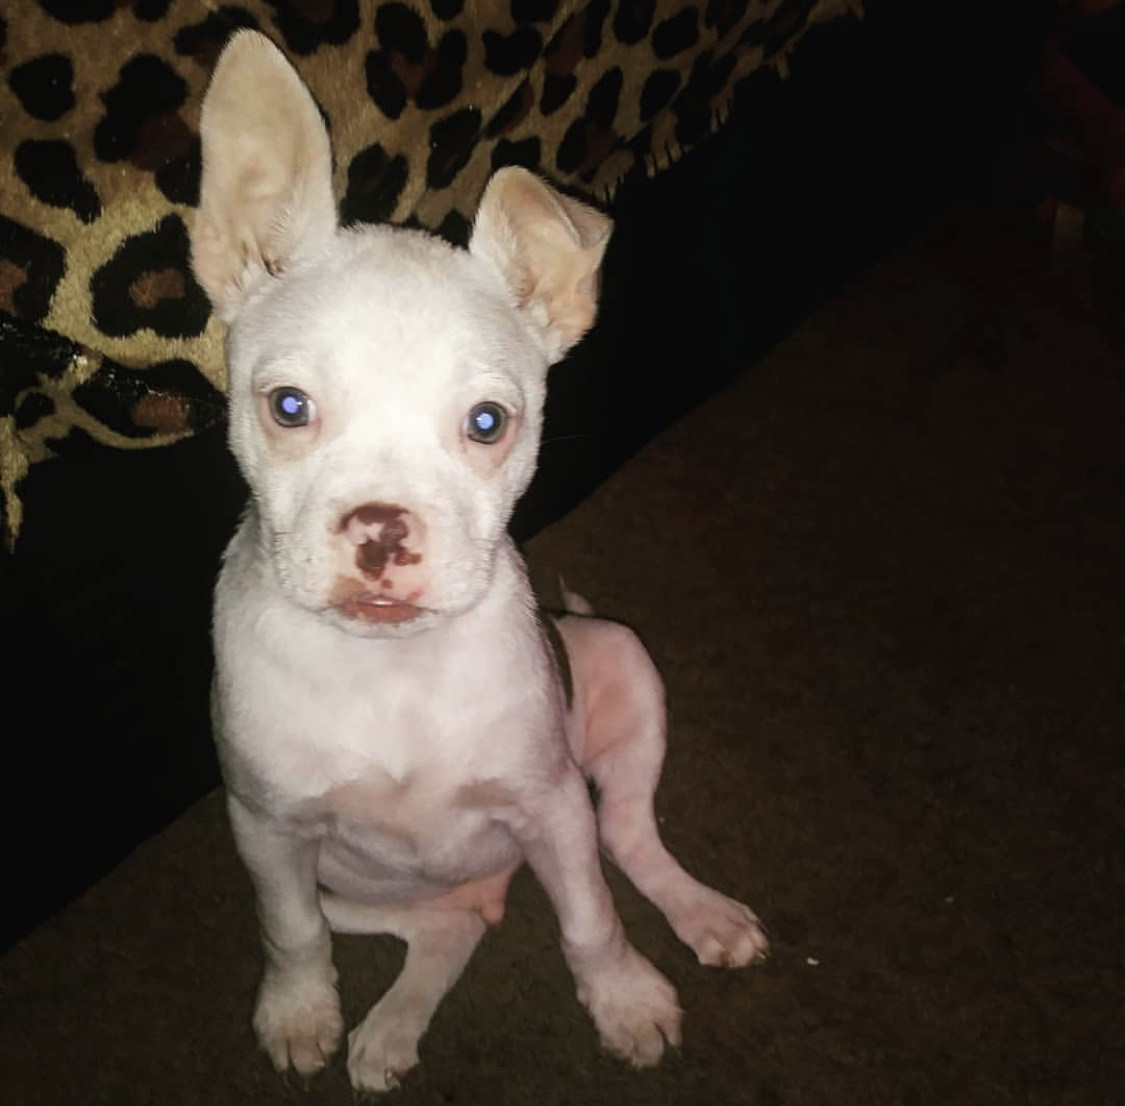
{"x":266,"y":188}
{"x":548,"y":247}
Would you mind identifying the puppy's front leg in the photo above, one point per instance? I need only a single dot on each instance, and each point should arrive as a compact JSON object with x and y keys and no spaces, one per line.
{"x":297,"y":1017}
{"x":632,"y":1004}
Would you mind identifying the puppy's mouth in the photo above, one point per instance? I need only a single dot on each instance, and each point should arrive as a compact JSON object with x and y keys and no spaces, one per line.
{"x":378,"y":608}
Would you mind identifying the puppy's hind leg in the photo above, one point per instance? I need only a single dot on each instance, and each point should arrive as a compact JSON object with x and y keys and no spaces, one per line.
{"x":622,"y":698}
{"x":384,"y":1046}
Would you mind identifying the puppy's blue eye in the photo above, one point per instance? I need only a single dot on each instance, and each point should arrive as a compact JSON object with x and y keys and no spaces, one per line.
{"x":290,"y":407}
{"x":486,"y":423}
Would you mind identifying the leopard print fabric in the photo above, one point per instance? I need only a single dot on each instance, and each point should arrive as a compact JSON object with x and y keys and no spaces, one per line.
{"x":104,"y":335}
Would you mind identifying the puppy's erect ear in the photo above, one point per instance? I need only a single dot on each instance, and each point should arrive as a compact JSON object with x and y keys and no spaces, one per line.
{"x":548,"y":248}
{"x":266,"y":191}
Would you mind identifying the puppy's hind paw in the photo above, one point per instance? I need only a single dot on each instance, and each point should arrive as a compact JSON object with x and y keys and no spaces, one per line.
{"x":635,"y":1010}
{"x":722,"y":932}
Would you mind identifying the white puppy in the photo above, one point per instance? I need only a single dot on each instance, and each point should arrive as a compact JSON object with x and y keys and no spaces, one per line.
{"x":395,"y":733}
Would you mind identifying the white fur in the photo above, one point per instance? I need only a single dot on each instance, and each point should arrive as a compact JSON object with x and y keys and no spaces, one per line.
{"x":392,"y":729}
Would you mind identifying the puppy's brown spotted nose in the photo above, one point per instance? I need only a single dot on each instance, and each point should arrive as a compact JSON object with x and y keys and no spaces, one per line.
{"x":383,"y":534}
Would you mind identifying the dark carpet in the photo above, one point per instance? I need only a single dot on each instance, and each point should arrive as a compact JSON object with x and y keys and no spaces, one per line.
{"x":881,"y":573}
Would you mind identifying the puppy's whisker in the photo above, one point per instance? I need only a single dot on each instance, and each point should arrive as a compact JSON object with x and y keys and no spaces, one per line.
{"x":565,"y":438}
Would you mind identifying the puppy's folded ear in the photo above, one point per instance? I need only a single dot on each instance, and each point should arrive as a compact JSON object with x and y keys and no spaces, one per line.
{"x":266,"y":189}
{"x":548,"y":248}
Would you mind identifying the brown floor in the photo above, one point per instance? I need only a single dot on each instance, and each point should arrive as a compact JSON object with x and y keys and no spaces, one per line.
{"x":882,"y":576}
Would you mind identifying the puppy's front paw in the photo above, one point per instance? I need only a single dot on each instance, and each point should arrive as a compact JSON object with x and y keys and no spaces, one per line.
{"x":298,"y":1022}
{"x":381,"y":1050}
{"x":722,"y":932}
{"x":635,"y":1009}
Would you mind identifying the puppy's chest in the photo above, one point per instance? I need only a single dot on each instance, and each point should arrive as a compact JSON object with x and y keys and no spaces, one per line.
{"x":393,"y":817}
{"x":396,"y":790}
{"x":388,"y":751}
{"x":378,"y":747}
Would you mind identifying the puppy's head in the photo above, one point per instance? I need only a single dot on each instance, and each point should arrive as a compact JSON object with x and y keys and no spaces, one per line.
{"x":386,"y":389}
